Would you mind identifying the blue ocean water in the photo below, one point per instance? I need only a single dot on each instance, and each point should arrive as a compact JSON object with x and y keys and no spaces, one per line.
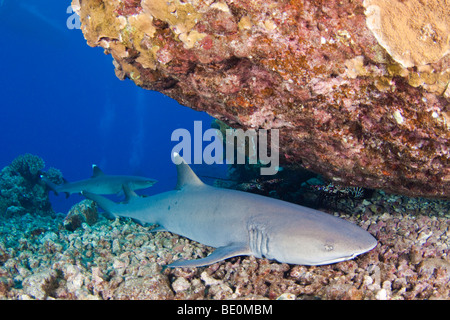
{"x":61,"y":100}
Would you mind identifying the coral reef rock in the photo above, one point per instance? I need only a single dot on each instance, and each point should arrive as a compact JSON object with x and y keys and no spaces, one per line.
{"x":21,"y":189}
{"x":82,"y":212}
{"x":358,"y":89}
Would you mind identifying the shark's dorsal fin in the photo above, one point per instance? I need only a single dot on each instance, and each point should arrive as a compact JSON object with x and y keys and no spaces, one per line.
{"x":186,"y":177}
{"x":96,"y":171}
{"x":129,"y":193}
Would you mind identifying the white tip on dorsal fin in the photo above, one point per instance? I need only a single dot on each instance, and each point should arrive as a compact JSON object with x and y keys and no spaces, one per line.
{"x":129,"y":193}
{"x":186,"y":177}
{"x":96,"y":171}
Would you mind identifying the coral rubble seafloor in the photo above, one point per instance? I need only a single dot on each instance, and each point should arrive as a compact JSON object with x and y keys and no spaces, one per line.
{"x":43,"y":257}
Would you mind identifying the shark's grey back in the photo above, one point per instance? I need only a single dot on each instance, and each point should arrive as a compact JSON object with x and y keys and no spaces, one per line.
{"x":204,"y":214}
{"x":101,"y":183}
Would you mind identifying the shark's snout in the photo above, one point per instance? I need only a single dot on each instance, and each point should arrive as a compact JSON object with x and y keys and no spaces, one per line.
{"x":150,"y":182}
{"x":346,"y":247}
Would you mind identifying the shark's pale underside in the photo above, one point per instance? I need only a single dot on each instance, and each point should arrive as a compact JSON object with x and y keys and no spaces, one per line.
{"x":239,"y":223}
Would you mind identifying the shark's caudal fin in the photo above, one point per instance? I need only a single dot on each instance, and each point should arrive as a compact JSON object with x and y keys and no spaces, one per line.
{"x":52,"y":186}
{"x":49,"y":184}
{"x":186,"y":177}
{"x":102,"y":202}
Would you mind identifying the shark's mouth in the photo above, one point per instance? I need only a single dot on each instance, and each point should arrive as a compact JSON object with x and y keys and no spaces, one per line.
{"x":347,"y":257}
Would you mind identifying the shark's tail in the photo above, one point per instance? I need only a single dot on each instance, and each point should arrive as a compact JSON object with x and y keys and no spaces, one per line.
{"x":104,"y":203}
{"x":52,"y":186}
{"x":49,"y":184}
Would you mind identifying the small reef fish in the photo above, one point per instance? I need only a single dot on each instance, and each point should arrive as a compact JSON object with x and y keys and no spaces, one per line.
{"x":337,"y":191}
{"x":100,"y":183}
{"x":239,"y":223}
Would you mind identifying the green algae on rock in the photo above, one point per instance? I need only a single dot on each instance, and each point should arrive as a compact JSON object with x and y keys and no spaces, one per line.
{"x":346,"y":104}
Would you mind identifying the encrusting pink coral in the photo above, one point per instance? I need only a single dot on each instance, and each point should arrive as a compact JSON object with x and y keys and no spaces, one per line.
{"x":321,"y":72}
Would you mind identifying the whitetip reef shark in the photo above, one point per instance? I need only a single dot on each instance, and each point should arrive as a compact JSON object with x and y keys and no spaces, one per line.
{"x":100,"y":183}
{"x":239,"y":223}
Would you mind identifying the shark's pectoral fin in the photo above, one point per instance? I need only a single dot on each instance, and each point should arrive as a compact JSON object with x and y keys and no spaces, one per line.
{"x":219,"y":254}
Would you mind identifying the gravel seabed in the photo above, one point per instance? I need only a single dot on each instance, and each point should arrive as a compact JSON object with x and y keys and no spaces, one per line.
{"x":119,"y":259}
